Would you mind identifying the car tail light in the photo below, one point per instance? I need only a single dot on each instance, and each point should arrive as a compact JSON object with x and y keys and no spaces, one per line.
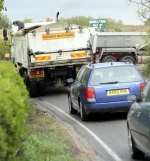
{"x":142,"y":85}
{"x":90,"y":94}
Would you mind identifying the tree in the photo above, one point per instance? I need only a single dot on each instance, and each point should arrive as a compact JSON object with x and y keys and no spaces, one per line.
{"x":143,"y":8}
{"x":1,"y":5}
{"x":78,"y":20}
{"x":4,"y":21}
{"x":113,"y":25}
{"x":27,"y":20}
{"x":144,"y":12}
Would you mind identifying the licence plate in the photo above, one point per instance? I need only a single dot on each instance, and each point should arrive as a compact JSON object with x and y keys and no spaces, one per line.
{"x":117,"y":92}
{"x":60,"y":57}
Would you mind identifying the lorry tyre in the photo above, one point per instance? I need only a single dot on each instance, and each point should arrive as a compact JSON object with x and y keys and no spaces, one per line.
{"x":109,"y":58}
{"x":128,"y":58}
{"x":33,"y":89}
{"x":41,"y":88}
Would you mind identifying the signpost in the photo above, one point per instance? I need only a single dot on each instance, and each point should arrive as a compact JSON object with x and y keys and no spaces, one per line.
{"x":98,"y":23}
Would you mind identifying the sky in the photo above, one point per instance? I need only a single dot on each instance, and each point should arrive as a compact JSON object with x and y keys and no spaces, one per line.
{"x":39,"y":10}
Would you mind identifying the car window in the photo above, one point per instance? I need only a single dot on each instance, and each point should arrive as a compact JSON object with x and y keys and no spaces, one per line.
{"x":115,"y":74}
{"x":81,"y":71}
{"x":147,"y":93}
{"x":85,"y":76}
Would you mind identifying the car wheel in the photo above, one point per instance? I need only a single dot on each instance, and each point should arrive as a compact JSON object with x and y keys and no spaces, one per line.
{"x":83,"y":114}
{"x":109,"y":58}
{"x":71,"y":109}
{"x":134,"y":151}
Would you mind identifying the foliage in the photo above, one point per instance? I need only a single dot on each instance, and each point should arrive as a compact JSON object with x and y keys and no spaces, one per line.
{"x":46,"y":140}
{"x":78,"y":20}
{"x":4,"y":48}
{"x":4,"y":21}
{"x":27,"y":20}
{"x":1,"y":4}
{"x":111,"y":24}
{"x":13,"y":112}
{"x":143,"y":8}
{"x":114,"y":26}
{"x":144,"y":12}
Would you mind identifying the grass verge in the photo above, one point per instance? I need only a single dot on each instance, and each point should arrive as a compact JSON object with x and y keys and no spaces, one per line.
{"x":46,"y":141}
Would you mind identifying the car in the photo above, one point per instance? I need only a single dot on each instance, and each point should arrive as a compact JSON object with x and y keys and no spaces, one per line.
{"x":138,"y":125}
{"x":104,"y":87}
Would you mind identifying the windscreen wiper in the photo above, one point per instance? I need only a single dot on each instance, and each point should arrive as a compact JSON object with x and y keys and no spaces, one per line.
{"x":114,"y":82}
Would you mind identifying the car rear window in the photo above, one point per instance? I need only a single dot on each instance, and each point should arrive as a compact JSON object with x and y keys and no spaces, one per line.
{"x":115,"y":74}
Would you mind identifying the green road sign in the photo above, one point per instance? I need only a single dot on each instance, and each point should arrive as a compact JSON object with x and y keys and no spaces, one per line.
{"x":98,"y":23}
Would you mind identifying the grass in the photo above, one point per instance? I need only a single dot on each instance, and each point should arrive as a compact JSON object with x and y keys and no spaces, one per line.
{"x":46,"y":141}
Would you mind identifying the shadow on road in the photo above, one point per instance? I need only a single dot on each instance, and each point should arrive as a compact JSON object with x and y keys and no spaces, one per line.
{"x":102,"y":117}
{"x":50,"y":91}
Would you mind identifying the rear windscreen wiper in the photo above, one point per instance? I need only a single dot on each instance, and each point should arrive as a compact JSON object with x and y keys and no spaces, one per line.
{"x":115,"y":82}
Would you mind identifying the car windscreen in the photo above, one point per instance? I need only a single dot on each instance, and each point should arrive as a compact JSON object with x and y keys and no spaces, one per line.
{"x":119,"y":74}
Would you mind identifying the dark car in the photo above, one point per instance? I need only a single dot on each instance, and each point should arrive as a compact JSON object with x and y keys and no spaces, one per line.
{"x":138,"y":123}
{"x":104,"y":87}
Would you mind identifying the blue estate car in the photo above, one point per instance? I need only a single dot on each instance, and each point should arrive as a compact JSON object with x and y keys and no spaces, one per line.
{"x":104,"y":87}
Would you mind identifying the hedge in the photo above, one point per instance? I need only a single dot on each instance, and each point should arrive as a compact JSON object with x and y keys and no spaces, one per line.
{"x":4,"y":48}
{"x":14,"y":107}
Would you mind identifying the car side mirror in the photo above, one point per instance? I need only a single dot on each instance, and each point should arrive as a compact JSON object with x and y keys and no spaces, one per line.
{"x":70,"y":81}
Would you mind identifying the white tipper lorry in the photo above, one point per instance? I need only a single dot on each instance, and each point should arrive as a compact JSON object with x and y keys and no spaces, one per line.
{"x":116,"y":46}
{"x":49,"y":54}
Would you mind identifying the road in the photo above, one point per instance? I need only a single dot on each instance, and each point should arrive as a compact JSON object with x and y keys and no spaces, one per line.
{"x":106,"y":134}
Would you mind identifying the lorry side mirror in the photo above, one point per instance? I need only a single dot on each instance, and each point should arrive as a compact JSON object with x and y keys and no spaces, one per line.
{"x":5,"y":34}
{"x":70,"y":81}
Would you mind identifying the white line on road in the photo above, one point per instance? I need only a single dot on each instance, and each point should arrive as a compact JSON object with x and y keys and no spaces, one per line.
{"x":106,"y":147}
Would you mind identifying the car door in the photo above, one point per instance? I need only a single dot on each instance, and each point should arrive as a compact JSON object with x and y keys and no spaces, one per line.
{"x":140,"y":122}
{"x":76,"y":86}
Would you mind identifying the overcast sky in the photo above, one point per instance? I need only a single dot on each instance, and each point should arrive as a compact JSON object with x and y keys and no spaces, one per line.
{"x":40,"y":9}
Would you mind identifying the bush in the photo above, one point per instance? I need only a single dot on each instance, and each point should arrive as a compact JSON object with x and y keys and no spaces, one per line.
{"x":4,"y":48}
{"x":13,"y":112}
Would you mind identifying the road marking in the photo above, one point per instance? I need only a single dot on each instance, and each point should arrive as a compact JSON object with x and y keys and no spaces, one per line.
{"x":101,"y":142}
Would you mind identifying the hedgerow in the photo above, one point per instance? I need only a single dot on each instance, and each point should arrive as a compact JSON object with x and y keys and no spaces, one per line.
{"x":14,"y":106}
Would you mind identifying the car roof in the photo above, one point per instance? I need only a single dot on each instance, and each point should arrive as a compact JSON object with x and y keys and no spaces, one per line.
{"x":109,"y":64}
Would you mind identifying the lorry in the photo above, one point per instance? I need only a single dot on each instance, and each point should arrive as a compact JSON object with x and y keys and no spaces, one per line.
{"x":49,"y":54}
{"x":116,"y":46}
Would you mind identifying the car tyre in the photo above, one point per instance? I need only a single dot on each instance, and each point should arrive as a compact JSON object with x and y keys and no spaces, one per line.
{"x":83,"y":114}
{"x":71,"y":109}
{"x":134,"y":151}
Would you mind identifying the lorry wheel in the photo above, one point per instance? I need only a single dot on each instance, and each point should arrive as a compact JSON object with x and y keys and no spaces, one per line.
{"x":128,"y":58}
{"x":41,"y":89}
{"x":109,"y":58}
{"x":32,"y":87}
